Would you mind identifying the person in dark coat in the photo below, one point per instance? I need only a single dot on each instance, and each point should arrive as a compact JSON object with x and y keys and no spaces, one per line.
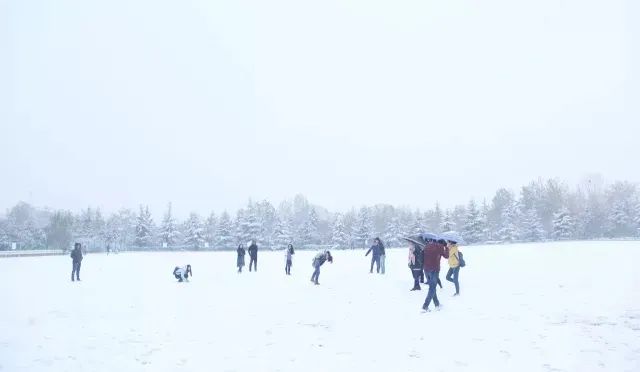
{"x":433,"y":253}
{"x":253,"y":255}
{"x":318,"y":261}
{"x":419,"y":261}
{"x":240,"y":260}
{"x":375,"y":256}
{"x":383,"y":257}
{"x":288,"y":255}
{"x":76,"y":257}
{"x":414,"y":265}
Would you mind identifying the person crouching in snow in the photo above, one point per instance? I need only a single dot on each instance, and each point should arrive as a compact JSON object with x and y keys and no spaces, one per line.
{"x":288,"y":259}
{"x":318,"y":261}
{"x":182,"y":273}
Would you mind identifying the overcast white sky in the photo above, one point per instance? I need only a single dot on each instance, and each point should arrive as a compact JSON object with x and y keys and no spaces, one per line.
{"x":207,"y":103}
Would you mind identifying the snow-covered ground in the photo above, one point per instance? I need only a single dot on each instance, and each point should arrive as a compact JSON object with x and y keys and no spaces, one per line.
{"x":543,"y":307}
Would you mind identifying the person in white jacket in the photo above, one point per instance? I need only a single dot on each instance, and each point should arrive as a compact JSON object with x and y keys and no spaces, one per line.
{"x":288,"y":255}
{"x":182,"y":273}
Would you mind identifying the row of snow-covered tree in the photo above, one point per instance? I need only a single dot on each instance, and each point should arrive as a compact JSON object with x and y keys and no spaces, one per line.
{"x":541,"y":210}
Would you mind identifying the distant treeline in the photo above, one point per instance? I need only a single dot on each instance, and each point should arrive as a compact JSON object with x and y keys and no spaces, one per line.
{"x":541,"y":210}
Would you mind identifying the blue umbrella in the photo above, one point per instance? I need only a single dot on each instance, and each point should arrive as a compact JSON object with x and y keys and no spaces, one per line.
{"x":453,"y":236}
{"x":430,"y":236}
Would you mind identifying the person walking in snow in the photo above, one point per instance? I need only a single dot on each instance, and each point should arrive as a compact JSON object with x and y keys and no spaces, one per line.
{"x":433,"y":252}
{"x":288,"y":255}
{"x":240,"y":259}
{"x":454,"y":265}
{"x":318,"y":261}
{"x":253,"y":256}
{"x":414,"y":266}
{"x":76,"y":260}
{"x":375,"y":255}
{"x":182,"y":273}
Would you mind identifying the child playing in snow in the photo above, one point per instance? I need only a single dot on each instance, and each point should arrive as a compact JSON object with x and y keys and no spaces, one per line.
{"x":182,"y":273}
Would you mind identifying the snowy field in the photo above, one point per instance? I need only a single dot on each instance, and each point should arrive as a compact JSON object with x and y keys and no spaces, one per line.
{"x":544,"y":307}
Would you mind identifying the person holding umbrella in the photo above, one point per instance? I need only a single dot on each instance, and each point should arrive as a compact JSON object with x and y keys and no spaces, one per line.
{"x":434,"y":250}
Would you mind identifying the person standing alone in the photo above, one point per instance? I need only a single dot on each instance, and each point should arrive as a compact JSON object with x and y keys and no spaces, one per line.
{"x":318,"y":261}
{"x":288,"y":255}
{"x":253,"y":256}
{"x":76,"y":257}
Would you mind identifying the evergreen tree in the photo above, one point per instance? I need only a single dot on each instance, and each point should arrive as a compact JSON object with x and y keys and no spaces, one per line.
{"x":241,"y":227}
{"x":447,"y":223}
{"x":309,"y":229}
{"x":210,"y":229}
{"x":418,"y":224}
{"x":59,"y":233}
{"x":393,"y":232}
{"x":144,"y":228}
{"x":563,"y":225}
{"x":339,"y":237}
{"x":532,"y":230}
{"x":224,"y":233}
{"x":363,"y":228}
{"x":281,"y":235}
{"x":508,"y":231}
{"x":169,"y":233}
{"x":473,"y":229}
{"x":253,"y":227}
{"x":194,"y":232}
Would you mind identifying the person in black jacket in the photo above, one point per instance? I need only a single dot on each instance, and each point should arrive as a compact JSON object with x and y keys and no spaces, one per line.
{"x":240,"y":260}
{"x":253,"y":255}
{"x":76,"y":257}
{"x":318,"y":261}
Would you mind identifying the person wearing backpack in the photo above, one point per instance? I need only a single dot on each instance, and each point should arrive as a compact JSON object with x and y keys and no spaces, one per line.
{"x":454,"y":265}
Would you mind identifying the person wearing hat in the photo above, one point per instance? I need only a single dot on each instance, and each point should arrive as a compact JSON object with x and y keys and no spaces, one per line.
{"x":318,"y":261}
{"x":454,"y":265}
{"x":433,"y":252}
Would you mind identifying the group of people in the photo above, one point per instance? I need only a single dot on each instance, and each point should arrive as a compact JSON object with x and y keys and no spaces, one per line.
{"x":253,"y":256}
{"x":424,"y":261}
{"x":378,"y":256}
{"x":425,"y":253}
{"x":318,"y":260}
